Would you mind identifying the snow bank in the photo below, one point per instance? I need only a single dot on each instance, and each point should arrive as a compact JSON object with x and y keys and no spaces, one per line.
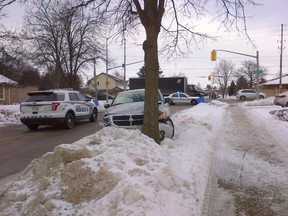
{"x":9,"y":114}
{"x":121,"y":172}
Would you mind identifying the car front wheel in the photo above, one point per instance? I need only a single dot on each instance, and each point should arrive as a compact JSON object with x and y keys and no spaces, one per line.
{"x":242,"y":98}
{"x":93,"y":117}
{"x":169,"y":122}
{"x":69,"y":121}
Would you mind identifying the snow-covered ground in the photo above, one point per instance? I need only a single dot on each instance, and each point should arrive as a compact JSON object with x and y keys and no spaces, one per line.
{"x":123,"y":172}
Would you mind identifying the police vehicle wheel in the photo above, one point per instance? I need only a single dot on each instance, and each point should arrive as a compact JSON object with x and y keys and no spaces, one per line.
{"x":32,"y":126}
{"x":93,"y":117}
{"x":69,"y":121}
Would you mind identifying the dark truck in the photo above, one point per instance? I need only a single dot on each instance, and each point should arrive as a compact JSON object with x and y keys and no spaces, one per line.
{"x":168,"y":85}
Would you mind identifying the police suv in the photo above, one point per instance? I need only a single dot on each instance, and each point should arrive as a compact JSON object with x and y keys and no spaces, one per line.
{"x":56,"y":106}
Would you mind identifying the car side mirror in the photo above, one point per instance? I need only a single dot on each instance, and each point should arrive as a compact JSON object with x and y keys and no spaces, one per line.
{"x":106,"y":106}
{"x":167,"y":100}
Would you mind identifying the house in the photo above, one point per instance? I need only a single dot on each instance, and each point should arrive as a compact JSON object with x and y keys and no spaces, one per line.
{"x":11,"y":92}
{"x":115,"y":84}
{"x":271,"y":87}
{"x":5,"y":89}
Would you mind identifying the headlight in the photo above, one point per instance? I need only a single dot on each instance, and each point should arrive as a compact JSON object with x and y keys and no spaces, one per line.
{"x":163,"y":115}
{"x":107,"y":121}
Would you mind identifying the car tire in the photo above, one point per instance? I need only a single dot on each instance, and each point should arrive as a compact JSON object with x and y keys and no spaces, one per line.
{"x":32,"y":126}
{"x":193,"y":102}
{"x":242,"y":97}
{"x":94,"y":115}
{"x":69,"y":120}
{"x":261,"y":97}
{"x":162,"y":135}
{"x":170,"y":122}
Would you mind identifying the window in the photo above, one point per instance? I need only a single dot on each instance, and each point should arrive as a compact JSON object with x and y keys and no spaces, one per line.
{"x":44,"y":96}
{"x":73,"y":97}
{"x":183,"y":96}
{"x":81,"y":97}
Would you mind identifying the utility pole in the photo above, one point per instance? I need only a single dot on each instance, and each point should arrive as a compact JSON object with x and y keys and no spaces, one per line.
{"x":107,"y":65}
{"x":95,"y":80}
{"x":281,"y":54}
{"x":124,"y":65}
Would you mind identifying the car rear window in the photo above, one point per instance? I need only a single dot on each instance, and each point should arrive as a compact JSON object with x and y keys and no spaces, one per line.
{"x":44,"y":96}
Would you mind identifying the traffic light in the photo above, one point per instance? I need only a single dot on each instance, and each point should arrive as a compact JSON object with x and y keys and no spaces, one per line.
{"x":209,"y":77}
{"x":213,"y":55}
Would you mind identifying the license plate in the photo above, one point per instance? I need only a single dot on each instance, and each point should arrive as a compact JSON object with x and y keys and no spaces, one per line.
{"x":35,"y":108}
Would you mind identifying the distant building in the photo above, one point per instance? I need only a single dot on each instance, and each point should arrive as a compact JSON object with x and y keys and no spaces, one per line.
{"x":11,"y":92}
{"x":115,"y":84}
{"x":6,"y":85}
{"x":271,"y":87}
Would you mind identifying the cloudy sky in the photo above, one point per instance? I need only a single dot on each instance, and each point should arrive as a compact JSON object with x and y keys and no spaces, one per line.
{"x":264,"y":28}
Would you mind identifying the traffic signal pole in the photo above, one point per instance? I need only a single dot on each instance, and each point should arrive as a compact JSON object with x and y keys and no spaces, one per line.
{"x":213,"y":58}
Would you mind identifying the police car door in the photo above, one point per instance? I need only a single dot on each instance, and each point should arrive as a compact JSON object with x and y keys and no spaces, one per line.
{"x":80,"y":106}
{"x":176,"y":98}
{"x":183,"y":98}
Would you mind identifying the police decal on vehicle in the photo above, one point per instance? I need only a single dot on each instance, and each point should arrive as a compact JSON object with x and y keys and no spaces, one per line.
{"x":81,"y":109}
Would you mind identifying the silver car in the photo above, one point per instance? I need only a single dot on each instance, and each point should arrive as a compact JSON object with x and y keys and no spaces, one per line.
{"x":281,"y":99}
{"x":251,"y":94}
{"x":127,"y":111}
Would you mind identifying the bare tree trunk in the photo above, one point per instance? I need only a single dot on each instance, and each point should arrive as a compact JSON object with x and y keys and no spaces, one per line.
{"x":151,"y":18}
{"x":151,"y":115}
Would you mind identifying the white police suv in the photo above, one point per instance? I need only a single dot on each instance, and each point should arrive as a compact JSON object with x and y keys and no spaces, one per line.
{"x":57,"y":106}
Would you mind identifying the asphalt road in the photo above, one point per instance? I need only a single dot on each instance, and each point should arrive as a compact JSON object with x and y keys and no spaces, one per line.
{"x":19,"y":146}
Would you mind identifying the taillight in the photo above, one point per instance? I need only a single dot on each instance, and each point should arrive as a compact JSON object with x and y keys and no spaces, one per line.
{"x":55,"y":105}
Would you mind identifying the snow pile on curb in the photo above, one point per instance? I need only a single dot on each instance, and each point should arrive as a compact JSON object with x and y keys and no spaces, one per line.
{"x":122,"y":172}
{"x":9,"y":114}
{"x":262,"y":102}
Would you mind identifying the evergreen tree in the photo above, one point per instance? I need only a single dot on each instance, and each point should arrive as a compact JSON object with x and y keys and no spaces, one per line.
{"x":232,"y":89}
{"x":242,"y":83}
{"x":142,"y":73}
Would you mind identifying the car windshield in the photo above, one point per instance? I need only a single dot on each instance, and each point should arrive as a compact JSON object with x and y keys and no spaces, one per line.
{"x":129,"y":97}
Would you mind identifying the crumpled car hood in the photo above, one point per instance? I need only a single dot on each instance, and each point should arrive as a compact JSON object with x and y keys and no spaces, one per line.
{"x":128,"y":108}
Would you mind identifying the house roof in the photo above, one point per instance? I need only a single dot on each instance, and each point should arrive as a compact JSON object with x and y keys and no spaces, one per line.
{"x":276,"y":81}
{"x":6,"y":80}
{"x":118,"y":79}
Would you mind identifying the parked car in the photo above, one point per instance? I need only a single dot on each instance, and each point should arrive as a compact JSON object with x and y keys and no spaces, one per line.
{"x":182,"y":98}
{"x":56,"y":106}
{"x":91,"y":98}
{"x":244,"y":94}
{"x":103,"y":96}
{"x":281,"y":99}
{"x":127,"y":111}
